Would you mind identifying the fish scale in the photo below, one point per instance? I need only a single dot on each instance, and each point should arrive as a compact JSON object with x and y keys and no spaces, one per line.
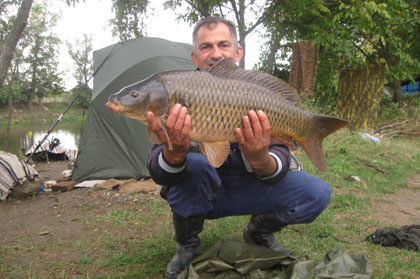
{"x":210,"y":104}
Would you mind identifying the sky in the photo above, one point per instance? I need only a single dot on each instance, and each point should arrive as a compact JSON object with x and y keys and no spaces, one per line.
{"x":92,"y":17}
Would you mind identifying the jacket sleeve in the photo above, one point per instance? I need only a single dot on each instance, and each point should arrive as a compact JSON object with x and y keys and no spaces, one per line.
{"x":160,"y":171}
{"x":164,"y":174}
{"x":281,"y":154}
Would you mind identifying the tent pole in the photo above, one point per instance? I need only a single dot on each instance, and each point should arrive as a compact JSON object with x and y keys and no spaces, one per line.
{"x":72,"y":102}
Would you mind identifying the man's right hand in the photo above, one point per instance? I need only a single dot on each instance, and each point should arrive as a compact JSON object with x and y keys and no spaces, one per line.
{"x":177,"y":126}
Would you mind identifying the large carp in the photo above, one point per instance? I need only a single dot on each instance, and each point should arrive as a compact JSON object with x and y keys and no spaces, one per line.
{"x":217,"y":100}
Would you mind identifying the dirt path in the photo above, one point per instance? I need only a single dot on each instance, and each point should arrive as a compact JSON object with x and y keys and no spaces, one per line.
{"x":401,"y":208}
{"x":53,"y":213}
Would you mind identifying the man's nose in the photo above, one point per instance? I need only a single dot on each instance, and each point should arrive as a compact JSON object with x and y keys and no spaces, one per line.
{"x":216,"y":54}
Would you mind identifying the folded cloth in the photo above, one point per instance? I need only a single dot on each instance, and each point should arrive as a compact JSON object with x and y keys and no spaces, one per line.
{"x":12,"y":172}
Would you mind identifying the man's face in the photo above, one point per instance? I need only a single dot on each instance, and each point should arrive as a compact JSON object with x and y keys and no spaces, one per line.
{"x":213,"y":45}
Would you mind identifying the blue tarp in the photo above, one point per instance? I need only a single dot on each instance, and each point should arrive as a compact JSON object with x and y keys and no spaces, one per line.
{"x":410,"y":88}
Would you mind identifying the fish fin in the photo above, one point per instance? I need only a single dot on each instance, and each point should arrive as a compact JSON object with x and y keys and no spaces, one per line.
{"x":285,"y":140}
{"x":227,"y":68}
{"x":154,"y":138}
{"x":163,"y":126}
{"x":312,"y":144}
{"x":216,"y":152}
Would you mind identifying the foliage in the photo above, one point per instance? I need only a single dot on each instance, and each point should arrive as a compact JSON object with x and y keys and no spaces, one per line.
{"x":84,"y":97}
{"x":11,"y":28}
{"x":128,"y":22}
{"x":6,"y":21}
{"x":4,"y":94}
{"x":353,"y":33}
{"x":248,"y":15}
{"x":38,"y":56}
{"x":390,"y":112}
{"x":81,"y":53}
{"x":11,"y":39}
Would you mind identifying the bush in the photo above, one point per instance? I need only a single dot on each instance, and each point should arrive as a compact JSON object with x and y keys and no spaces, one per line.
{"x":390,"y":111}
{"x":85,"y":96}
{"x":4,"y":94}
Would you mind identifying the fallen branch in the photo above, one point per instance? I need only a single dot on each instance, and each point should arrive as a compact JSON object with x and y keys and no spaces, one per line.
{"x":407,"y":128}
{"x":369,"y":164}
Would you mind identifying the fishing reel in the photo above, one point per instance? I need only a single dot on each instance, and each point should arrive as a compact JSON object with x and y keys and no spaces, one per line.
{"x":54,"y":143}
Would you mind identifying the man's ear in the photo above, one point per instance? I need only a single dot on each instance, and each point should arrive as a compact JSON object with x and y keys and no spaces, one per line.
{"x":193,"y":58}
{"x":239,"y":53}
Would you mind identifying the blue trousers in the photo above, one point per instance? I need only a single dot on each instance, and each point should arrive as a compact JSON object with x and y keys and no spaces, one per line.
{"x":231,"y":190}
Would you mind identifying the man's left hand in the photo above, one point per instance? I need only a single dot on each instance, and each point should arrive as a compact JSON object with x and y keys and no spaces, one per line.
{"x":254,"y":140}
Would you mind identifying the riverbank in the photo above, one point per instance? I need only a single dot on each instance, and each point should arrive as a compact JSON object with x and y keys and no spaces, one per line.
{"x":36,"y":113}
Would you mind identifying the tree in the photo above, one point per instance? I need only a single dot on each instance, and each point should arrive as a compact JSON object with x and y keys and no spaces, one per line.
{"x":81,"y":54}
{"x":8,"y":46}
{"x":10,"y":35}
{"x":13,"y":37}
{"x":128,"y":22}
{"x":40,"y":55}
{"x":248,"y":15}
{"x":360,"y":32}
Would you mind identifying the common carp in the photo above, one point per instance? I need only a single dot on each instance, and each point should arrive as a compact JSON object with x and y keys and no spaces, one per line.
{"x":217,"y":100}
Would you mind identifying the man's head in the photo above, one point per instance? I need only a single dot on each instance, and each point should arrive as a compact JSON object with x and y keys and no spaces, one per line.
{"x":214,"y":38}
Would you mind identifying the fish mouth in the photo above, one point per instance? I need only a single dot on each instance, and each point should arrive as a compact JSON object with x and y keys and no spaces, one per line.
{"x":113,"y":106}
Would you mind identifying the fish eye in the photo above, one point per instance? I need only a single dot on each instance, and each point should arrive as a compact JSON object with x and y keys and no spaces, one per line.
{"x":134,"y":94}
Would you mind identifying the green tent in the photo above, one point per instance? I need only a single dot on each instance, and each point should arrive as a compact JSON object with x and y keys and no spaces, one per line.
{"x":113,"y":146}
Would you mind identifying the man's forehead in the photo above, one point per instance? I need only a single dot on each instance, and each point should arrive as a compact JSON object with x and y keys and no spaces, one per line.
{"x":209,"y":34}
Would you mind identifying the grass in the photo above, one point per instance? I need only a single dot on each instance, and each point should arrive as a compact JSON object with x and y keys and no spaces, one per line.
{"x":136,"y":242}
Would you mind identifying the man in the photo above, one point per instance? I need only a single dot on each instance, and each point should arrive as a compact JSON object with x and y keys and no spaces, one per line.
{"x":254,"y":180}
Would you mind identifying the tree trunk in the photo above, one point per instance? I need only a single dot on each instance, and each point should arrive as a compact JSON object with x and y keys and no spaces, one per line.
{"x":304,"y":66}
{"x":359,"y":95}
{"x":397,"y":93}
{"x":241,"y":26}
{"x":12,"y":39}
{"x":271,"y":59}
{"x":9,"y":116}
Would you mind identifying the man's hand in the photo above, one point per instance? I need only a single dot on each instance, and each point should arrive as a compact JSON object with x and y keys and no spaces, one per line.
{"x":177,"y":126}
{"x":255,"y":142}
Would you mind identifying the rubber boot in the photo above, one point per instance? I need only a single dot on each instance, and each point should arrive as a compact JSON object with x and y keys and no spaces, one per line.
{"x":260,"y":230}
{"x":187,"y":243}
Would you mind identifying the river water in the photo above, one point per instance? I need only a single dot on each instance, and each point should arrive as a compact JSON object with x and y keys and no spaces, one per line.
{"x":21,"y":138}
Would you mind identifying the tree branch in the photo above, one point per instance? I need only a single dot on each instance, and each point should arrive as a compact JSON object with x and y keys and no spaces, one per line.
{"x":266,"y":14}
{"x":12,"y":39}
{"x":407,"y":21}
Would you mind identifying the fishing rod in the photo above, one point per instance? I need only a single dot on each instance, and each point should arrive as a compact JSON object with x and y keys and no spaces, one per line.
{"x":72,"y":102}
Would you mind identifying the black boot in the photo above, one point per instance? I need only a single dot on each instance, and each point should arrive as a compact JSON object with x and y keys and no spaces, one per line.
{"x":260,"y":230}
{"x":187,"y":243}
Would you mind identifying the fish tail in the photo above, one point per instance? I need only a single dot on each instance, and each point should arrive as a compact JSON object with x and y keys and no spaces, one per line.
{"x":312,"y":143}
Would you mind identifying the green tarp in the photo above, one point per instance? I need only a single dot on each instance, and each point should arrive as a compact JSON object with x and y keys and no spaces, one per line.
{"x":112,"y":146}
{"x":335,"y":265}
{"x":229,"y":259}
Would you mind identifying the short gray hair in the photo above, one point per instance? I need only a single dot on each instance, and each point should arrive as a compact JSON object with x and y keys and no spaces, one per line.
{"x":210,"y":22}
